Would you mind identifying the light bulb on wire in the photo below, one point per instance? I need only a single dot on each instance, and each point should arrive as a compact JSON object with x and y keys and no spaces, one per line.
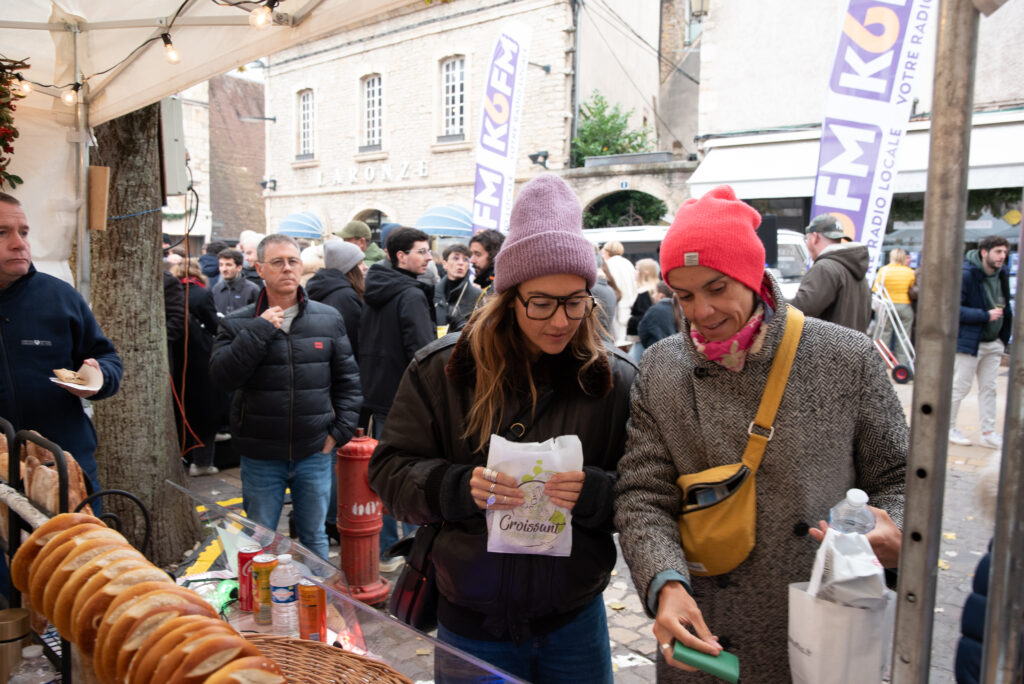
{"x":70,"y":96}
{"x":24,"y":86}
{"x":263,"y":16}
{"x":170,"y":53}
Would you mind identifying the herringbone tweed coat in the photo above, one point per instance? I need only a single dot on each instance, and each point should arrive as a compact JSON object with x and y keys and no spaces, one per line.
{"x":839,"y":425}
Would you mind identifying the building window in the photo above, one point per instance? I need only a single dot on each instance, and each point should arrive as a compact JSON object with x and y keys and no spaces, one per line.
{"x":305,"y":125}
{"x":373,"y":107}
{"x":453,"y":86}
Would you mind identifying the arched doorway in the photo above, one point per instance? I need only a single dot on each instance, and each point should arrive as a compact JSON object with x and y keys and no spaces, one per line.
{"x":625,"y":208}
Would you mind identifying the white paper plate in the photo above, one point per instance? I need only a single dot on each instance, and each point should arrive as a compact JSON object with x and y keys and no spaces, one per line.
{"x":92,"y":375}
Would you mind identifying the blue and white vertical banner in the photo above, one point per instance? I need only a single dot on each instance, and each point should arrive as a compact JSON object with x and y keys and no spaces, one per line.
{"x":884,"y":51}
{"x":499,"y":129}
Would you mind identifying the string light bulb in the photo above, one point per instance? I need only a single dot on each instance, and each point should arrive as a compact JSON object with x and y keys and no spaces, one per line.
{"x":170,"y":53}
{"x":70,"y":96}
{"x":24,"y":86}
{"x":263,"y":16}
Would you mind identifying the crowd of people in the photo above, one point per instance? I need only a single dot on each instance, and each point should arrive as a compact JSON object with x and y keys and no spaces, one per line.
{"x":658,"y":368}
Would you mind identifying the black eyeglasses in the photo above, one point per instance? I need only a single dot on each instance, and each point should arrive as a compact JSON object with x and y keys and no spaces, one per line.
{"x":543,"y":307}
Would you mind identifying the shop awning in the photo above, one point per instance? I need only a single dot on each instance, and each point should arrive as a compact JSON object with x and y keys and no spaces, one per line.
{"x":783,"y":164}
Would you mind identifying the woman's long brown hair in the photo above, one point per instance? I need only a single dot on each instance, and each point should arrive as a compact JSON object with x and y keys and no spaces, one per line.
{"x":355,"y":276}
{"x":502,"y":360}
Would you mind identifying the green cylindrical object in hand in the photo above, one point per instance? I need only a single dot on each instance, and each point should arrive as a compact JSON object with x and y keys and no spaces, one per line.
{"x":724,"y":666}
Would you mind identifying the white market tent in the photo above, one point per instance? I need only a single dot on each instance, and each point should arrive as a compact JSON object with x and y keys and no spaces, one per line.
{"x":73,"y":41}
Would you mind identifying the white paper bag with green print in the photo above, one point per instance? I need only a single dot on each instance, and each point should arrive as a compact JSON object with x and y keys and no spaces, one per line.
{"x":537,"y":526}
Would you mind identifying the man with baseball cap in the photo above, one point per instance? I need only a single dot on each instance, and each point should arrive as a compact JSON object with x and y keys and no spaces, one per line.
{"x":359,"y":234}
{"x":835,"y":288}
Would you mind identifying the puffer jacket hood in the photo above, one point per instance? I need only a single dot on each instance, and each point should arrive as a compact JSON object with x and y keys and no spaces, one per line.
{"x":384,"y":283}
{"x":326,"y":281}
{"x":852,"y":255}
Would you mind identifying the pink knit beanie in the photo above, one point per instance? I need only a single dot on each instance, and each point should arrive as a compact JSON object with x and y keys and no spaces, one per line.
{"x":545,"y":236}
{"x":717,"y":231}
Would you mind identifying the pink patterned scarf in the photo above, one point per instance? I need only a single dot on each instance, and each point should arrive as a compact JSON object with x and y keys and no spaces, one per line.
{"x":732,"y":352}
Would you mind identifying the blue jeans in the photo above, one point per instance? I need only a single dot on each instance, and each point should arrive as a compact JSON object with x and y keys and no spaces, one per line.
{"x":579,"y":651}
{"x":263,"y":486}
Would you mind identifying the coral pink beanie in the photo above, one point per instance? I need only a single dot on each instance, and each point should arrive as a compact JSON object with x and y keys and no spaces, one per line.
{"x":545,"y":236}
{"x":717,"y":231}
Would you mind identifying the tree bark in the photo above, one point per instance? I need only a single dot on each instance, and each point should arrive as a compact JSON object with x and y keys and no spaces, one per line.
{"x":137,"y":450}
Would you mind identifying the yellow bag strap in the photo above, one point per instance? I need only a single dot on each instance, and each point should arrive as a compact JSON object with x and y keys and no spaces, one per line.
{"x":773,"y":390}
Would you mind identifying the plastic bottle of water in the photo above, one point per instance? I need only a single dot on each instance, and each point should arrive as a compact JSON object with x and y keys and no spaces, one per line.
{"x":284,"y":591}
{"x":34,"y":668}
{"x":852,"y":514}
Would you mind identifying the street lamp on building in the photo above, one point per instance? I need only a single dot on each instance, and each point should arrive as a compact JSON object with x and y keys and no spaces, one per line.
{"x":540,"y":158}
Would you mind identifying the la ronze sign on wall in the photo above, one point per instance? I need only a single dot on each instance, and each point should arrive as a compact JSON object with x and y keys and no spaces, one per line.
{"x":499,"y":129}
{"x":883,"y":47}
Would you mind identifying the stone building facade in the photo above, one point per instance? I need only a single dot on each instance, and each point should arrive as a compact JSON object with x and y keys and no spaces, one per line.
{"x":380,"y":123}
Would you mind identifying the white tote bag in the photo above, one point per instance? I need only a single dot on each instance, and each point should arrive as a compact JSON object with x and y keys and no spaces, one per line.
{"x":830,"y":643}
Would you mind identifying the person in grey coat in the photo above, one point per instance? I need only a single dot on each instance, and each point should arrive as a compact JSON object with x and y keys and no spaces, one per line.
{"x":839,"y":425}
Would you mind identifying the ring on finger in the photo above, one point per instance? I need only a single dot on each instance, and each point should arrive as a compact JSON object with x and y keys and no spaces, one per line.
{"x":491,"y":499}
{"x":491,"y":490}
{"x":504,"y":499}
{"x":490,"y":475}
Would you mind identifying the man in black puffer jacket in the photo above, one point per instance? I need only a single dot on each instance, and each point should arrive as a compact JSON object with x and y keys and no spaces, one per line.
{"x":298,"y":393}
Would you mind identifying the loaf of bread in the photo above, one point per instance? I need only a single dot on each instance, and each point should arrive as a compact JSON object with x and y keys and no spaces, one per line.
{"x":142,"y":628}
{"x":207,"y":655}
{"x":74,"y":588}
{"x":127,"y":608}
{"x":31,"y":547}
{"x":49,"y":558}
{"x":75,"y":559}
{"x":86,"y":622}
{"x":158,"y":663}
{"x":42,"y":483}
{"x":249,"y":670}
{"x":69,"y":376}
{"x":145,"y":659}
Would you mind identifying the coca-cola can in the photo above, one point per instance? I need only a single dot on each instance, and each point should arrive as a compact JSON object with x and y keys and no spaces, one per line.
{"x":245,"y":556}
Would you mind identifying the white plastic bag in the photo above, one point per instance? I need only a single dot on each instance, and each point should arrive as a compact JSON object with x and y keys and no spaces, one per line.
{"x":847,"y":571}
{"x":841,"y":622}
{"x":537,"y":526}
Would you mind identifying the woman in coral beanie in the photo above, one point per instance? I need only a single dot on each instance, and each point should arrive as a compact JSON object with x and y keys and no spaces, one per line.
{"x":531,"y":356}
{"x":838,"y":425}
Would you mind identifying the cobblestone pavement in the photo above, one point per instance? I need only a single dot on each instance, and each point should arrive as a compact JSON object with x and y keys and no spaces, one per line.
{"x":965,"y":536}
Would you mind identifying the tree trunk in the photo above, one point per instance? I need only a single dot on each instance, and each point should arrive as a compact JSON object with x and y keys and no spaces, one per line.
{"x":137,"y":449}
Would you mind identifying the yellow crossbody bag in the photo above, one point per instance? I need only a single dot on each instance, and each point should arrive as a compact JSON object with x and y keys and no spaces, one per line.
{"x":719,"y":515}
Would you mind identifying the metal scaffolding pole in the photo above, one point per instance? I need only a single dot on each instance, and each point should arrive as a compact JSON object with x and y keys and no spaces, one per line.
{"x":1002,"y":654}
{"x":938,"y":315}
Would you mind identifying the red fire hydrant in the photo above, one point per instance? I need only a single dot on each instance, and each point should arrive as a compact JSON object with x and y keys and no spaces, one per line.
{"x":359,"y":521}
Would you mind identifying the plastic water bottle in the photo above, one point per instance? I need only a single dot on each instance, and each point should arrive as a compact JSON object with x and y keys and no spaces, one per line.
{"x":852,"y":514}
{"x":284,"y":591}
{"x":34,"y":667}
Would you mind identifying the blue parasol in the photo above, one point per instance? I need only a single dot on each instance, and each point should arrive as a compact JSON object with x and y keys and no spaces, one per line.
{"x":449,"y":219}
{"x":304,"y":224}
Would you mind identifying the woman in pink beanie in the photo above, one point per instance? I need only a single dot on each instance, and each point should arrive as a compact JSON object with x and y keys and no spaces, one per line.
{"x":529,"y":366}
{"x":839,"y":425}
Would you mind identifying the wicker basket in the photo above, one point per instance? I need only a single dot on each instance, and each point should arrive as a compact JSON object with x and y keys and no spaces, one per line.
{"x":312,"y":662}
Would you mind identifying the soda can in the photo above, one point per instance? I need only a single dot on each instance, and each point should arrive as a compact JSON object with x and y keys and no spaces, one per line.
{"x":262,"y":566}
{"x":312,"y":611}
{"x":245,"y":556}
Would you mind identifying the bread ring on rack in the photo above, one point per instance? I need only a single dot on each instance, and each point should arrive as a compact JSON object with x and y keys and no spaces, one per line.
{"x":74,"y":588}
{"x":126,"y":609}
{"x":152,"y":671}
{"x":141,"y":629}
{"x":28,"y":551}
{"x":203,"y":656}
{"x":86,"y":623}
{"x":40,"y":574}
{"x":249,"y":670}
{"x":79,"y":556}
{"x":145,"y":659}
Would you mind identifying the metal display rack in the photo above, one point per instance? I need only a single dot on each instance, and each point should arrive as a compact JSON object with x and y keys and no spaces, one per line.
{"x":26,"y":515}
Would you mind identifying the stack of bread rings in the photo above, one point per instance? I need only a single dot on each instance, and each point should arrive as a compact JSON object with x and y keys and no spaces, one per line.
{"x":126,"y":615}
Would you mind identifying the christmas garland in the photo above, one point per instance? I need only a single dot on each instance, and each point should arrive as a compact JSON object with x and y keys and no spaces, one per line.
{"x":9,"y":92}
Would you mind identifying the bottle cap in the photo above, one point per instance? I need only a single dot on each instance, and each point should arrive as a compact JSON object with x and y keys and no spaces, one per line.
{"x":33,"y":651}
{"x":856,"y":497}
{"x":287,"y":557}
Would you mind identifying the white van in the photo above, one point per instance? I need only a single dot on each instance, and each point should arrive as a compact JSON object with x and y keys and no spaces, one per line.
{"x":639,"y":242}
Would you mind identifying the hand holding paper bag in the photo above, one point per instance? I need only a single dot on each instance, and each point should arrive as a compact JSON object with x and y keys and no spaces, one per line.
{"x":548,"y":477}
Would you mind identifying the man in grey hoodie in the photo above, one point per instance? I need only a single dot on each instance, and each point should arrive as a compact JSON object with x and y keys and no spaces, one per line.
{"x":835,"y":288}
